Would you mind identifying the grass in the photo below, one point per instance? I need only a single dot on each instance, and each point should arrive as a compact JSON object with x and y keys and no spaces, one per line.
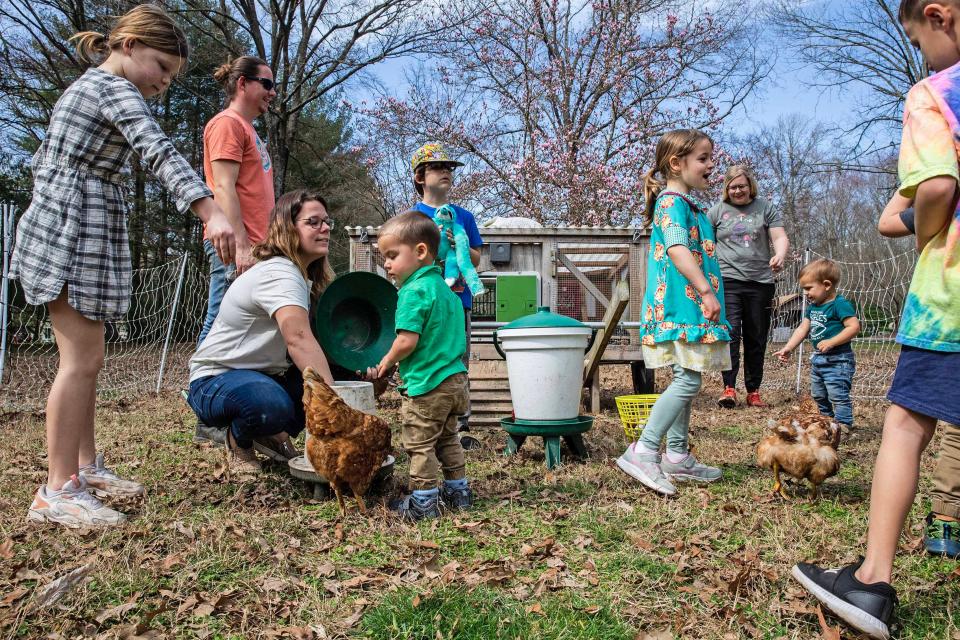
{"x":579,"y":552}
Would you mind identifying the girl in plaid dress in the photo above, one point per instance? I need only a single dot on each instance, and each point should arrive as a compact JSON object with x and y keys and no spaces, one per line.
{"x":72,"y":251}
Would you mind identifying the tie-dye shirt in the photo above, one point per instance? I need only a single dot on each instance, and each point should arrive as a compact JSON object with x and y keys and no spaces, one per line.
{"x":930,"y":148}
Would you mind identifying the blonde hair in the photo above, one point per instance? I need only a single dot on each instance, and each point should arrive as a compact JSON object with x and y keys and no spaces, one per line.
{"x":820,"y":270}
{"x":147,"y":24}
{"x":673,"y":144}
{"x":283,"y":241}
{"x":735,"y":172}
{"x":229,"y":72}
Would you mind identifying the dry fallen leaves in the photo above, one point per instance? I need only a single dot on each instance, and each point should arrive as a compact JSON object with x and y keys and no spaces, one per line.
{"x":826,"y":631}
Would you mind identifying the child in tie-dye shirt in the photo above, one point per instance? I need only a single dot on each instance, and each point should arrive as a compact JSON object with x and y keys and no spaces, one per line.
{"x":924,"y":385}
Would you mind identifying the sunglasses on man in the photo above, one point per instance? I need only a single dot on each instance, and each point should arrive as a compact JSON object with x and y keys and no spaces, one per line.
{"x":266,"y":83}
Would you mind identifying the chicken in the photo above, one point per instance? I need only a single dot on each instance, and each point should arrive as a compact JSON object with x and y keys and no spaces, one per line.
{"x":802,"y":444}
{"x":346,"y":446}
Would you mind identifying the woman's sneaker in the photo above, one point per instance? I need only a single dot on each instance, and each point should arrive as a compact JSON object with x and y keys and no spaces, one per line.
{"x":690,"y":469}
{"x":645,"y":467}
{"x":103,"y":482}
{"x":72,"y":506}
{"x":865,"y":607}
{"x":728,"y":399}
{"x":278,"y":447}
{"x":942,"y":537}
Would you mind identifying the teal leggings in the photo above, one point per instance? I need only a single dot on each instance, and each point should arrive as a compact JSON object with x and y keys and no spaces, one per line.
{"x":671,"y":413}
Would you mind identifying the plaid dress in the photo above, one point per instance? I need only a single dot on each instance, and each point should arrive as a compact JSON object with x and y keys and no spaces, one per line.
{"x":74,"y":232}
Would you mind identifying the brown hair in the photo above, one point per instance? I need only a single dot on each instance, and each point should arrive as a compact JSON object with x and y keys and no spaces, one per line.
{"x":282,"y":239}
{"x":676,"y":143}
{"x":421,"y":174}
{"x":230,"y":71}
{"x":820,"y":270}
{"x":147,"y":24}
{"x":411,"y":228}
{"x":735,"y":172}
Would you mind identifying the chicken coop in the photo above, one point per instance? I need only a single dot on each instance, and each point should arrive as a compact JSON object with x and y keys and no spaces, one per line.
{"x":574,"y":270}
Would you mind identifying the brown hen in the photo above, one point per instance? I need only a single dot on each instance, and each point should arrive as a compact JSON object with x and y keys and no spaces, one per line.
{"x":803,"y":444}
{"x":346,"y":446}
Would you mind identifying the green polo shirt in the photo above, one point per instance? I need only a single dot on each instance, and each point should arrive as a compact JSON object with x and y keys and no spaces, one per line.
{"x":426,"y":306}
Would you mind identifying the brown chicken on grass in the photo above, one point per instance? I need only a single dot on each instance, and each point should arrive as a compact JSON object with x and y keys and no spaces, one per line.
{"x":346,"y":446}
{"x":803,"y":444}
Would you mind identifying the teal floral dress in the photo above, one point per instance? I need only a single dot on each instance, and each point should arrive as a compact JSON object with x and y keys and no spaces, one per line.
{"x":674,"y":329}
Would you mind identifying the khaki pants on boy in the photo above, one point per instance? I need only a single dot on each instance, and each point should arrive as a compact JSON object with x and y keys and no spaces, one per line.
{"x":946,"y":477}
{"x":429,"y":432}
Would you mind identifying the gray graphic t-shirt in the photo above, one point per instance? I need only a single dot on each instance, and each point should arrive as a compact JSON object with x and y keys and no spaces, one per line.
{"x":743,"y":240}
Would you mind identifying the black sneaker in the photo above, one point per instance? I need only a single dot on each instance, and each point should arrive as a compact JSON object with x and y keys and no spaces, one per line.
{"x":456,"y":499}
{"x":865,"y":607}
{"x":414,"y":510}
{"x":469,"y":443}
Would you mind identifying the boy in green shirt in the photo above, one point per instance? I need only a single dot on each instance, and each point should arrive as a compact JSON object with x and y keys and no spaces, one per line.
{"x":429,"y":345}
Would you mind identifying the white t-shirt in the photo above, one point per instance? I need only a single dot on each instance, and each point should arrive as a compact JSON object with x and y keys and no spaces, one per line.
{"x":245,"y":334}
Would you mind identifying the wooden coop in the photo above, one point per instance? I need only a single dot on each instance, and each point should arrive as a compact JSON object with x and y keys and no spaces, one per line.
{"x":573,"y":270}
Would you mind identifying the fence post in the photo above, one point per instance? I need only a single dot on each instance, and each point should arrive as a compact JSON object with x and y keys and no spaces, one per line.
{"x":803,"y":312}
{"x":173,"y":315}
{"x":6,"y":218}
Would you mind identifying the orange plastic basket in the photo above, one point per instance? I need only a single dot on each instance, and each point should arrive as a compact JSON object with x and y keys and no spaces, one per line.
{"x":634,"y":411}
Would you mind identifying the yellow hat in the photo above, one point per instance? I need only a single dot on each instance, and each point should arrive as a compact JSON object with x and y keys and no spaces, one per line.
{"x":432,"y":152}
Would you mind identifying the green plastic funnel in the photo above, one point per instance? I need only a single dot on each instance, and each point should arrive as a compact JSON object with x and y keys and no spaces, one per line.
{"x":354,"y":322}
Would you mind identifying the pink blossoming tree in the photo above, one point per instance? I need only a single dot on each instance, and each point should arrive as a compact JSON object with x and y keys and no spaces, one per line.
{"x":556,"y":106}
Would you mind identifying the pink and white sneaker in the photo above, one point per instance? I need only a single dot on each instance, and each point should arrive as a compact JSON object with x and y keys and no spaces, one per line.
{"x":103,"y":482}
{"x":72,"y":506}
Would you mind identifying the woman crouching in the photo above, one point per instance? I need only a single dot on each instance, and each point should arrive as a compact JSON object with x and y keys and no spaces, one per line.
{"x":241,"y":378}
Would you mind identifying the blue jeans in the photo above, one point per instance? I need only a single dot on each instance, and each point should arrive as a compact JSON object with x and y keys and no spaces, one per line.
{"x":831,"y":376}
{"x":219,"y":276}
{"x":251,"y":403}
{"x":670,"y":414}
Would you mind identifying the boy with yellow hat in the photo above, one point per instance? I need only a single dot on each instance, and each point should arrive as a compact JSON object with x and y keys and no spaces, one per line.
{"x":433,"y":170}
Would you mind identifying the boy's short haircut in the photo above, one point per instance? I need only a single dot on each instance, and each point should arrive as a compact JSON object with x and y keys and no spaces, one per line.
{"x":413,"y":227}
{"x":820,"y":270}
{"x":911,"y":10}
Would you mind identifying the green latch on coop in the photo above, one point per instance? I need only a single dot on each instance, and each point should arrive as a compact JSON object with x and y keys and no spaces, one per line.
{"x":517,"y":296}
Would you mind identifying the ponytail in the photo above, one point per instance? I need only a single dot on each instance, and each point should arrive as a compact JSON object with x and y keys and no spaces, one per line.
{"x":674,"y":144}
{"x":92,"y":46}
{"x":229,"y":72}
{"x":146,"y":23}
{"x":651,"y":189}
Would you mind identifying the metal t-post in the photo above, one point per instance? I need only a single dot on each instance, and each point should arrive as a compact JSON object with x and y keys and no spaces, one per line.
{"x":803,"y":312}
{"x":6,"y":214}
{"x":173,"y":314}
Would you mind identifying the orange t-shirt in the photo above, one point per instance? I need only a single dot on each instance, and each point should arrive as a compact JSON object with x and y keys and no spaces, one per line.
{"x":229,"y":137}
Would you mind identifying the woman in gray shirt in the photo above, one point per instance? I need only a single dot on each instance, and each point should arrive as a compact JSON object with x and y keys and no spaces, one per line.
{"x":746,"y":226}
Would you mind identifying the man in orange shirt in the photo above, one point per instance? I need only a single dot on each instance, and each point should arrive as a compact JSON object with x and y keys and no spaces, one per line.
{"x":238,"y":169}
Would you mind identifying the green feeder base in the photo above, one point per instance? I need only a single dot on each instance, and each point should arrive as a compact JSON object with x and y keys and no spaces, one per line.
{"x":551,"y":431}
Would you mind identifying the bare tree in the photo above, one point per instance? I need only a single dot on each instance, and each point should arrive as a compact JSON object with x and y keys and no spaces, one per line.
{"x":314,"y":47}
{"x":854,"y":46}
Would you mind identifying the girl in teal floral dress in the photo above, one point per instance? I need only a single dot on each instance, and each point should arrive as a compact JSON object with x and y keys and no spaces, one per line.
{"x":683,"y":322}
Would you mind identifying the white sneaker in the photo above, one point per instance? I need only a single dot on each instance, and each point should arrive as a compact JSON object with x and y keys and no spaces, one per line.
{"x":72,"y":506}
{"x":645,"y":467}
{"x":104,"y":482}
